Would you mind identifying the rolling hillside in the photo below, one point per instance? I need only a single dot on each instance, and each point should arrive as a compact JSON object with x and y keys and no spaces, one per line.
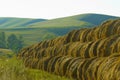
{"x":17,"y":22}
{"x":82,"y":20}
{"x":37,"y":30}
{"x":84,"y":54}
{"x":79,"y":21}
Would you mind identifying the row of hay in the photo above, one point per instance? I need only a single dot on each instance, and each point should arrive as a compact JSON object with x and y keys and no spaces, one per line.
{"x":105,"y":30}
{"x":97,"y":68}
{"x":98,"y":48}
{"x":81,"y":54}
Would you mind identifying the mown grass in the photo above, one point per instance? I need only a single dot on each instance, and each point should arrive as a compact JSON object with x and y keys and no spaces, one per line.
{"x":13,"y":69}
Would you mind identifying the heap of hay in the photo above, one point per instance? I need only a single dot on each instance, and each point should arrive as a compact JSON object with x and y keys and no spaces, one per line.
{"x":97,"y":68}
{"x":85,"y":54}
{"x":99,"y":48}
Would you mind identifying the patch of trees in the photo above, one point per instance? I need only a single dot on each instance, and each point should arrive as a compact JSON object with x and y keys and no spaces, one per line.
{"x":2,"y":40}
{"x":11,"y":42}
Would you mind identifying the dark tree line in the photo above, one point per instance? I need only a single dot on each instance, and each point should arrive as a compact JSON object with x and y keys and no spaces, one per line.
{"x":2,"y":40}
{"x":11,"y":42}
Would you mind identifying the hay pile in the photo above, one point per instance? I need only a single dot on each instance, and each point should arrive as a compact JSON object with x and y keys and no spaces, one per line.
{"x":99,"y":48}
{"x":85,"y":54}
{"x":97,"y":68}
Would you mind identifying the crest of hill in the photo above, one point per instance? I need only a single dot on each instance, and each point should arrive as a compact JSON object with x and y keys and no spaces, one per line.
{"x":82,"y":20}
{"x":9,"y":22}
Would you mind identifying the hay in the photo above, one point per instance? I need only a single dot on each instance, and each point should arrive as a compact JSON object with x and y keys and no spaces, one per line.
{"x":97,"y":68}
{"x":99,"y":48}
{"x":85,"y":54}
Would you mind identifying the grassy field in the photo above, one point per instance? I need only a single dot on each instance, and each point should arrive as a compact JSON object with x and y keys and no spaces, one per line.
{"x":12,"y":69}
{"x":30,"y":36}
{"x":6,"y":53}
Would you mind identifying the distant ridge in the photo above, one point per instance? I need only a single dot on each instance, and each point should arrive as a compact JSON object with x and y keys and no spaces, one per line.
{"x":96,"y":18}
{"x":11,"y":22}
{"x":36,"y":30}
{"x":77,"y":21}
{"x":82,"y":20}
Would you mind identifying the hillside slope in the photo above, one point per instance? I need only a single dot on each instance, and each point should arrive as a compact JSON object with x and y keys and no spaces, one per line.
{"x":82,"y":20}
{"x":17,"y":22}
{"x":95,"y":19}
{"x":37,"y":30}
{"x":85,"y":54}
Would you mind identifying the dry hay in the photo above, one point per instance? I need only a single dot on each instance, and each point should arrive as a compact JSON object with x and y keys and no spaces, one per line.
{"x":97,"y":68}
{"x":105,"y":30}
{"x":99,"y":48}
{"x":85,"y":54}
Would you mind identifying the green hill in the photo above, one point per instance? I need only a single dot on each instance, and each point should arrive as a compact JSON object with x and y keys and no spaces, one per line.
{"x":37,"y":31}
{"x":83,"y":20}
{"x":17,"y":22}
